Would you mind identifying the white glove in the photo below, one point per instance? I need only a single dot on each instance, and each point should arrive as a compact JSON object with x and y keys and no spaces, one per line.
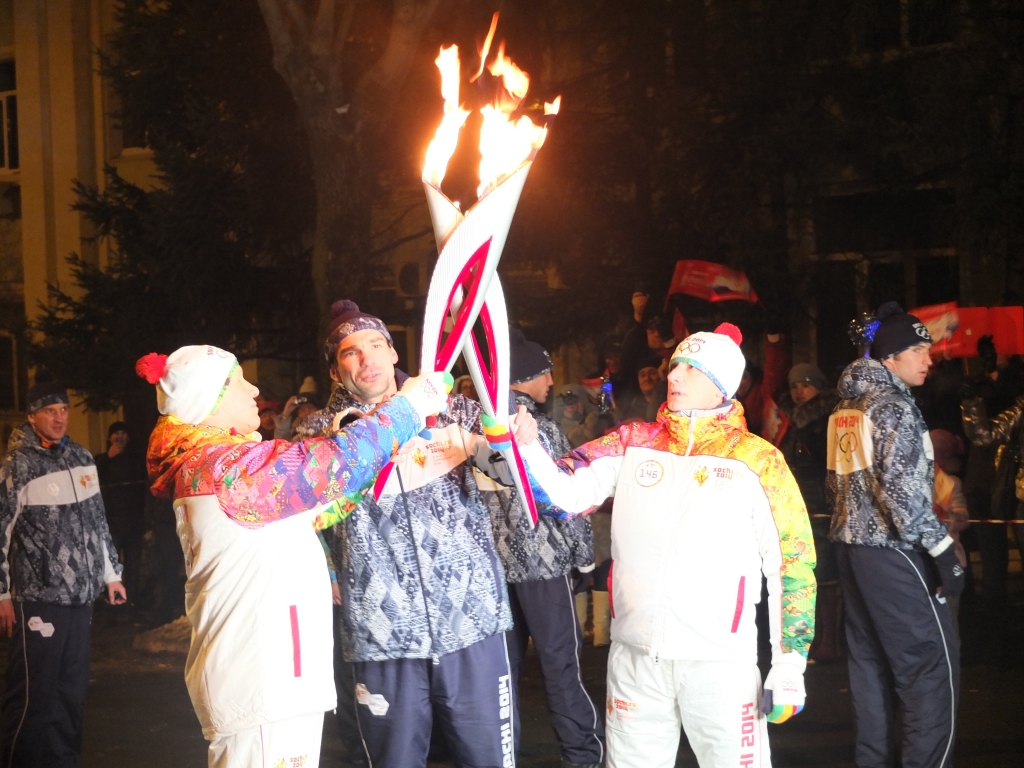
{"x":784,"y":693}
{"x":428,"y":394}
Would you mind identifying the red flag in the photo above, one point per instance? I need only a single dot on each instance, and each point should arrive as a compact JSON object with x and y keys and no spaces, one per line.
{"x":711,"y":282}
{"x":1006,"y":324}
{"x":942,"y":321}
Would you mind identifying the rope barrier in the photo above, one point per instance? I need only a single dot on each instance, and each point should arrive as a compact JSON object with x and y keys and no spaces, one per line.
{"x":1015,"y":521}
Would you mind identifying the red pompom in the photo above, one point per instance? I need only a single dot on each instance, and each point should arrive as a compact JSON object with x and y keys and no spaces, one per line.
{"x":730,"y":330}
{"x":151,"y":367}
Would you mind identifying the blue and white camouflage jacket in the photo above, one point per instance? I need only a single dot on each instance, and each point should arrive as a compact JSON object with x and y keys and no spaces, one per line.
{"x":440,"y":588}
{"x":54,"y":541}
{"x":881,"y":468}
{"x":555,"y":546}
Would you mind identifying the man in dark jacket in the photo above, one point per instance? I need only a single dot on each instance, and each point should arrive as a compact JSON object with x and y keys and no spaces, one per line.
{"x":543,"y":566}
{"x":424,"y":602}
{"x":807,"y":405}
{"x":897,"y":563}
{"x":123,"y":483}
{"x":62,"y":558}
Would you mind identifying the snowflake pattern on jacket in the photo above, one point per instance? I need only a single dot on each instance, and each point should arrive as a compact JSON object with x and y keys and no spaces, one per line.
{"x":555,"y":546}
{"x":880,"y":464}
{"x":53,"y":528}
{"x":433,"y":592}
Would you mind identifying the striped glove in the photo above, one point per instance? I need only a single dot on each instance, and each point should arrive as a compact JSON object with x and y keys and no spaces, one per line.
{"x":784,"y":693}
{"x":497,"y":434}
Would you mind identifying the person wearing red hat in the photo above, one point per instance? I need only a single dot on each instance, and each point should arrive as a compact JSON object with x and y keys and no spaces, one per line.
{"x":701,"y":503}
{"x":258,"y":596}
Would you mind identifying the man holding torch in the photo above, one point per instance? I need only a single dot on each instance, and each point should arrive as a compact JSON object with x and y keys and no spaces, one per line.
{"x":424,"y":603}
{"x":702,"y":508}
{"x":258,"y":594}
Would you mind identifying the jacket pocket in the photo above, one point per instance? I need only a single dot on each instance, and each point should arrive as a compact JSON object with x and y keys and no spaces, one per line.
{"x":740,"y":600}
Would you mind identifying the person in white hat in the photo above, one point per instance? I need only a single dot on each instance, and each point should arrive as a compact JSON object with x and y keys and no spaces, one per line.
{"x":258,"y":594}
{"x":702,"y":508}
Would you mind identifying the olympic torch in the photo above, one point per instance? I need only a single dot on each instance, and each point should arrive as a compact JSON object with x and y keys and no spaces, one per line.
{"x":464,"y":286}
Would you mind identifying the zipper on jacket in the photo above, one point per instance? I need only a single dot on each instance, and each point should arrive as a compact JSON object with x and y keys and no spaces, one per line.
{"x":419,"y":568}
{"x":659,"y":603}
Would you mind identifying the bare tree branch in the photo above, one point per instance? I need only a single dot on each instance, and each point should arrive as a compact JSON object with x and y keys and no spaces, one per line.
{"x":321,"y":36}
{"x":279,"y":33}
{"x":298,"y":17}
{"x":377,"y":93}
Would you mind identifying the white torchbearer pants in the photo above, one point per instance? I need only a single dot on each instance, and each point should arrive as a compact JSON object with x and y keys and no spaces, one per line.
{"x":718,"y":703}
{"x":293,"y":743}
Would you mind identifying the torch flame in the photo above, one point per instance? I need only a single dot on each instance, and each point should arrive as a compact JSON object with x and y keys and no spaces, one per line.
{"x":486,"y":50}
{"x":505,"y":144}
{"x":446,"y":137}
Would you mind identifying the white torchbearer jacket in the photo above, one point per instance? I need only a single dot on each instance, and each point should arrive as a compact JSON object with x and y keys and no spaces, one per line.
{"x":701,"y":509}
{"x":258,"y":593}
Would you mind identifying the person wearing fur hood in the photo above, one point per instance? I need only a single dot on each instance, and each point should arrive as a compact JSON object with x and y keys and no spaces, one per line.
{"x":258,"y":596}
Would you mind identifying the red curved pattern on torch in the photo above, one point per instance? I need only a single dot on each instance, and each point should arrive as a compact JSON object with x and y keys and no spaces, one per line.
{"x":469,"y":280}
{"x":490,"y":368}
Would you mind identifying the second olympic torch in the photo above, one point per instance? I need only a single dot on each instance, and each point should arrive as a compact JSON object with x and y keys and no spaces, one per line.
{"x":464,"y":286}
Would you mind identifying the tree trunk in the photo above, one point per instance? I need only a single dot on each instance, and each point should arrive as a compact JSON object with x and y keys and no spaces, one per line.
{"x":308,"y":45}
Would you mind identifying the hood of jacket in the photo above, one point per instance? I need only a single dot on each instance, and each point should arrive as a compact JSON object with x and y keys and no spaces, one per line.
{"x":866,"y":375}
{"x":172,"y":444}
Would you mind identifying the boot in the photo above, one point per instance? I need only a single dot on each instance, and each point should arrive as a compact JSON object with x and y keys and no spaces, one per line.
{"x":602,"y":619}
{"x":581,"y":609}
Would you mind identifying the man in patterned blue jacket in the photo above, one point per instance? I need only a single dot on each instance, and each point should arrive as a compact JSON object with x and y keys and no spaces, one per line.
{"x":56,"y":557}
{"x":424,"y":603}
{"x":897,"y":563}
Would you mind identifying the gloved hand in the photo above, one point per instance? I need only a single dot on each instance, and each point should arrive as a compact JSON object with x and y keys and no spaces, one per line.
{"x":951,"y":572}
{"x":784,"y":694}
{"x":968,"y":390}
{"x":987,"y":353}
{"x":428,"y":394}
{"x":581,"y":580}
{"x":497,"y":434}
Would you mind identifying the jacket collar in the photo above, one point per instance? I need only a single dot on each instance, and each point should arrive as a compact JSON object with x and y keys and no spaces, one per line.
{"x":700,"y":426}
{"x":173,"y":442}
{"x":29,"y":438}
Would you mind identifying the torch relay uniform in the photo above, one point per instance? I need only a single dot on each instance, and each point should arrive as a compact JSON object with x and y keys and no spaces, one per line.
{"x":424,"y":601}
{"x":57,"y":556}
{"x":259,"y":669}
{"x":701,"y":509}
{"x":888,"y":543}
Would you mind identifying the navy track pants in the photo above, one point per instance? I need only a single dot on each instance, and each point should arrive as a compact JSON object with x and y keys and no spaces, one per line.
{"x":546,"y":611}
{"x":469,"y":692}
{"x":47,"y":679}
{"x":902,"y":649}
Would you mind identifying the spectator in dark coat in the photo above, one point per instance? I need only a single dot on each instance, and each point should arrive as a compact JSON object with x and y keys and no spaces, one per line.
{"x":123,"y":482}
